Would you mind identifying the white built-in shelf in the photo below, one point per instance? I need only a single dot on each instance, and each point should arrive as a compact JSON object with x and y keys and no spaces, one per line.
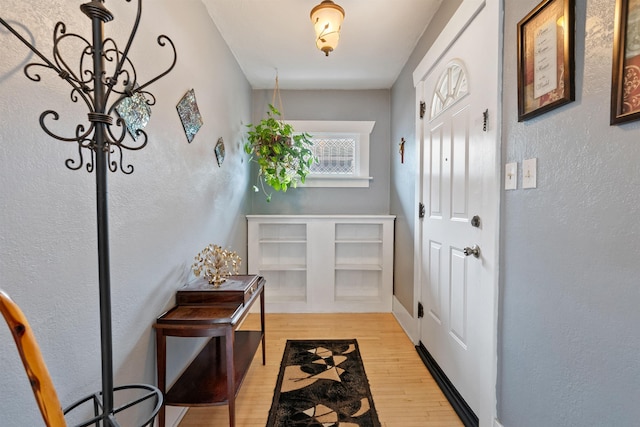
{"x":323,"y":263}
{"x":372,"y":267}
{"x":283,"y":267}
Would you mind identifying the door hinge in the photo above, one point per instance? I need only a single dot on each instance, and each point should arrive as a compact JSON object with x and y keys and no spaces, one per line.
{"x":420,"y":310}
{"x":485,"y":119}
{"x":421,"y":210}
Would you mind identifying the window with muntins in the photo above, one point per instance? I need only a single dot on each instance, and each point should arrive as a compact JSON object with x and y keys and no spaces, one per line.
{"x":452,"y":86}
{"x":342,"y":150}
{"x":336,"y":154}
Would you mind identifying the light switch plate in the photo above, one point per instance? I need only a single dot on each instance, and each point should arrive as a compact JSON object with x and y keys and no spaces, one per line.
{"x":511,"y":176}
{"x":529,"y":173}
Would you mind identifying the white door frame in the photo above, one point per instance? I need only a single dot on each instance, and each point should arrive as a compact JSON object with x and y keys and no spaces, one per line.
{"x":465,"y":14}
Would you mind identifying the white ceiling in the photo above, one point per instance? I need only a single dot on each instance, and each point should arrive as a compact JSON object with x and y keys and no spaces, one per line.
{"x":276,"y":36}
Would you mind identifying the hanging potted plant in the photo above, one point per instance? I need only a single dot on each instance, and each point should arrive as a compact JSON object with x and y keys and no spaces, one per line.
{"x":284,"y":157}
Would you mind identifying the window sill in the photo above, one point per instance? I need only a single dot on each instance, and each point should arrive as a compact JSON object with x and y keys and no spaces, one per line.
{"x":336,"y":181}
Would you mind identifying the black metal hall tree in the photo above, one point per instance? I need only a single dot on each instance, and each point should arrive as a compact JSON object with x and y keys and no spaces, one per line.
{"x":100,"y":142}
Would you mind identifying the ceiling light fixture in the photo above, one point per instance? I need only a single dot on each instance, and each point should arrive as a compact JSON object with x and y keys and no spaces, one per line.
{"x":327,"y":19}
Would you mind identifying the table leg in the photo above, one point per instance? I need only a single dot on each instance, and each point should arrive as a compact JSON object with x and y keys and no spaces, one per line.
{"x":231,"y":376}
{"x":161,"y":362}
{"x":264,"y":350}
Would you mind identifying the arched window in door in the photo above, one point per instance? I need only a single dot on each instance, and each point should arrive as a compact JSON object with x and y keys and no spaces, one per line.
{"x":452,"y":86}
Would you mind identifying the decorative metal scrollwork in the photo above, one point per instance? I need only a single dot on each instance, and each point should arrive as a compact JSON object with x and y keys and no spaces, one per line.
{"x":103,"y":80}
{"x":118,"y":81}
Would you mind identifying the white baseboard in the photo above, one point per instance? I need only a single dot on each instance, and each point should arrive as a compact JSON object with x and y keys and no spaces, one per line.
{"x":407,"y":322}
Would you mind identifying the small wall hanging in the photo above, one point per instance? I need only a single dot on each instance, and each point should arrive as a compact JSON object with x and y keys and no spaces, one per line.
{"x":219,"y":150}
{"x":189,"y":114}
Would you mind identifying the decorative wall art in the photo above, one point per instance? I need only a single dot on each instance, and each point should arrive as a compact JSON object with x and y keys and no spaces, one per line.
{"x":219,"y":150}
{"x":625,"y":76}
{"x":546,"y":58}
{"x":189,"y":114}
{"x":135,"y":112}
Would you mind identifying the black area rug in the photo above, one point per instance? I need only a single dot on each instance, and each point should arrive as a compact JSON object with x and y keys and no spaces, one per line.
{"x":322,"y":383}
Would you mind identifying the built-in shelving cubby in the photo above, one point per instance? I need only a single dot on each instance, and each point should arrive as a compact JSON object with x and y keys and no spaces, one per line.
{"x":323,"y":263}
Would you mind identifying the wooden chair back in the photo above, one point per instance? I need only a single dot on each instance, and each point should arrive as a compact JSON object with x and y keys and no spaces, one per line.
{"x":37,"y":372}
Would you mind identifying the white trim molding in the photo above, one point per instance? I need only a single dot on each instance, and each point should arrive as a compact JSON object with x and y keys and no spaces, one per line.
{"x":406,"y":321}
{"x":468,"y":10}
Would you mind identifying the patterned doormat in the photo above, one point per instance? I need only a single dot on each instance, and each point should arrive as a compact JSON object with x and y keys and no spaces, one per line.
{"x":322,"y":383}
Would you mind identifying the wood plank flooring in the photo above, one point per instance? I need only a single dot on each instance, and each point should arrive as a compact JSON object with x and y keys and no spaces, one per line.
{"x":404,"y":393}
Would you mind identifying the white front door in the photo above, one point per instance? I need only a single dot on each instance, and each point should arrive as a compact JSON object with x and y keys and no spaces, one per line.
{"x":459,"y":187}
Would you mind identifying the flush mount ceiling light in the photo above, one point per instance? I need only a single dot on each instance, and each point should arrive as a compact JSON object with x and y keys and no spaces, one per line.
{"x":327,"y":18}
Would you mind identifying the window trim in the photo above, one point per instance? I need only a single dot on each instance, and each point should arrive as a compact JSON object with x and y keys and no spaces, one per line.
{"x":362,"y":128}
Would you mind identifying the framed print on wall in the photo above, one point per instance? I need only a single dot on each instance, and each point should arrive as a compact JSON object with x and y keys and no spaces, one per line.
{"x":546,"y":58}
{"x":625,"y":76}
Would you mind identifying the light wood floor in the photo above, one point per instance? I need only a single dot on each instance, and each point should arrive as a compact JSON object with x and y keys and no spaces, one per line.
{"x":404,"y":393}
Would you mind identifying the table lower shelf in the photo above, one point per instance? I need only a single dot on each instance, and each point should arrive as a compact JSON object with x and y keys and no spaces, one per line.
{"x":204,"y":382}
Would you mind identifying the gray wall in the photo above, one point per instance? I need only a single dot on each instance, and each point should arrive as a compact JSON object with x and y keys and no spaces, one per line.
{"x":403,"y":175}
{"x":568,"y":343}
{"x":570,"y":278}
{"x":176,"y":202}
{"x":365,"y":105}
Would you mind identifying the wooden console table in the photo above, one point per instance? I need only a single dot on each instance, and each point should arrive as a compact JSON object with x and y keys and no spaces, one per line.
{"x":205,"y":311}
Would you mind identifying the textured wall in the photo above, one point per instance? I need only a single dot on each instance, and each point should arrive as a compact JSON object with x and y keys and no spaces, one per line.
{"x":366,"y":105}
{"x":403,"y":175}
{"x":569,"y":342}
{"x":177,"y":200}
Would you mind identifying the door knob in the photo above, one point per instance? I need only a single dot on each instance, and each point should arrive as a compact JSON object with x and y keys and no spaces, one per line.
{"x":473,"y":250}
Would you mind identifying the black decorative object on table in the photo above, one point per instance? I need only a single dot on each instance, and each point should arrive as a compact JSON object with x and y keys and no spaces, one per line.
{"x":104,"y":141}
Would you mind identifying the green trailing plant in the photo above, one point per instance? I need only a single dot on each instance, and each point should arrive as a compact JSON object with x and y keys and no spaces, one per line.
{"x":284,"y":157}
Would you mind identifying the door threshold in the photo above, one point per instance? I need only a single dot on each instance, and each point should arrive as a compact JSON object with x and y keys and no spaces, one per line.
{"x":464,"y":411}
